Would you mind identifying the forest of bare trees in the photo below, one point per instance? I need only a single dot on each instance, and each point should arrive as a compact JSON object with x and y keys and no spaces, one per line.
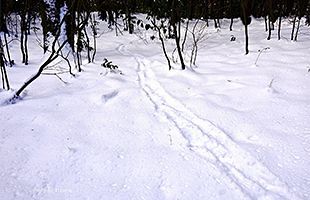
{"x":64,"y":23}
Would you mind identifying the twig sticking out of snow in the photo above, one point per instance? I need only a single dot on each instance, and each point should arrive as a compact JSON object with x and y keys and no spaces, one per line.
{"x":260,"y":52}
{"x":271,"y":82}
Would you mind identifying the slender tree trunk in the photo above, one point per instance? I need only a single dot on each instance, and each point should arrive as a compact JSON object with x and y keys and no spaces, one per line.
{"x":129,"y":20}
{"x":177,"y":41}
{"x":65,"y":57}
{"x":269,"y":28}
{"x":279,"y":28}
{"x":185,"y":35}
{"x":195,"y":54}
{"x":297,"y":30}
{"x":231,"y":14}
{"x":293,"y":29}
{"x":45,"y":46}
{"x":5,"y":79}
{"x":164,"y":49}
{"x":116,"y":23}
{"x":266,"y":24}
{"x":111,"y":19}
{"x":192,"y":59}
{"x":245,"y":22}
{"x":246,"y":39}
{"x":28,"y":23}
{"x":88,"y":45}
{"x":231,"y":23}
{"x":7,"y":50}
{"x":79,"y":58}
{"x":94,"y":31}
{"x":95,"y":49}
{"x":93,"y":26}
{"x":193,"y":50}
{"x":79,"y":44}
{"x":26,"y":48}
{"x":215,"y":23}
{"x":162,"y":42}
{"x":24,"y":38}
{"x":2,"y":75}
{"x":206,"y":5}
{"x":22,"y":43}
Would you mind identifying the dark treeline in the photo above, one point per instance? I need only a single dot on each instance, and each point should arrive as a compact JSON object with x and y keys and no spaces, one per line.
{"x":66,"y":23}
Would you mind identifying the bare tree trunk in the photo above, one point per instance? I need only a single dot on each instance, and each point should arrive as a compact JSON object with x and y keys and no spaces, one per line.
{"x":28,"y":23}
{"x":26,"y":47}
{"x":266,"y":24}
{"x":164,"y":49}
{"x":218,"y":23}
{"x":93,"y":27}
{"x":231,"y":15}
{"x":269,"y":28}
{"x":246,"y":22}
{"x":185,"y":35}
{"x":5,"y":79}
{"x":206,"y":11}
{"x":24,"y":38}
{"x":22,"y":48}
{"x":177,"y":35}
{"x":65,"y":57}
{"x":192,"y":59}
{"x":116,"y":24}
{"x":231,"y":23}
{"x":88,"y":45}
{"x":162,"y":42}
{"x":297,"y":30}
{"x":82,"y":21}
{"x":279,"y":28}
{"x":95,"y":49}
{"x":215,"y":23}
{"x":79,"y":61}
{"x":79,"y":45}
{"x":246,"y":39}
{"x":2,"y":75}
{"x":129,"y":20}
{"x":293,"y":29}
{"x":7,"y":50}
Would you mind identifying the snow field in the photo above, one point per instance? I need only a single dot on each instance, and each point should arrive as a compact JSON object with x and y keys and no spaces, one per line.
{"x":228,"y":129}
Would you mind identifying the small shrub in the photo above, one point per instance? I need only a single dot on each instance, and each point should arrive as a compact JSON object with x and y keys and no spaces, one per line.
{"x":111,"y":67}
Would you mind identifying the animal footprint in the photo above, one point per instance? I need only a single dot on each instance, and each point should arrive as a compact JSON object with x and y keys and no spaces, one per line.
{"x":108,"y":96}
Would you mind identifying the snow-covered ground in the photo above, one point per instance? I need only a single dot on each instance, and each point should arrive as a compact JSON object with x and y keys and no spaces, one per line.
{"x":227,"y":129}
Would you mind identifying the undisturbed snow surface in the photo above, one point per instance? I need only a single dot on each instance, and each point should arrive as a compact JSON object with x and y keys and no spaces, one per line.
{"x":228,"y":129}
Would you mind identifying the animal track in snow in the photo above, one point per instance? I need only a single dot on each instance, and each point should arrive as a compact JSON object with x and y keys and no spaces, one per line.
{"x":252,"y":178}
{"x":108,"y":96}
{"x":205,"y":139}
